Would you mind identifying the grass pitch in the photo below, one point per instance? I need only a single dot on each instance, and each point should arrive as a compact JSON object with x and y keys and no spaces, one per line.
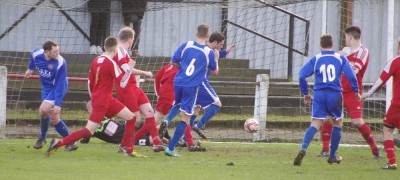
{"x":99,"y":160}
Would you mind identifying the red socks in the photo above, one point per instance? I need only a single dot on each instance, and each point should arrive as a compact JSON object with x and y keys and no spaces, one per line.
{"x":149,"y":126}
{"x":73,"y":137}
{"x":326,"y":133}
{"x":188,"y":136}
{"x":369,"y":138}
{"x":389,"y":148}
{"x":129,"y":136}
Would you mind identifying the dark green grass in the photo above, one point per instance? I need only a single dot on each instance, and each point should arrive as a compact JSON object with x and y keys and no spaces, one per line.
{"x":99,"y":160}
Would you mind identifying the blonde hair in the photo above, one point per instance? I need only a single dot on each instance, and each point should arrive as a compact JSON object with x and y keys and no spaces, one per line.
{"x":126,"y":33}
{"x":202,"y":30}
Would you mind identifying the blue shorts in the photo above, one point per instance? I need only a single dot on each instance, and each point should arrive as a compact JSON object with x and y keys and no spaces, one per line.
{"x":206,"y":96}
{"x":186,"y":97}
{"x":327,"y":102}
{"x":49,"y":94}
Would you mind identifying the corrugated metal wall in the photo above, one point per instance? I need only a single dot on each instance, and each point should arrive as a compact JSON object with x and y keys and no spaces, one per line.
{"x":167,"y":25}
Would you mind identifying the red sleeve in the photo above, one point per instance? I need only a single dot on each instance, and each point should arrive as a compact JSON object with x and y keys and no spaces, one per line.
{"x":362,"y":59}
{"x":122,"y":57}
{"x":390,"y":69}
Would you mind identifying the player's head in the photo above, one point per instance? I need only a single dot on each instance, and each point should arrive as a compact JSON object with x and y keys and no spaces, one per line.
{"x":51,"y":49}
{"x":352,"y":33}
{"x":111,"y":45}
{"x":126,"y":35}
{"x":216,"y":40}
{"x":203,"y":31}
{"x":326,"y":41}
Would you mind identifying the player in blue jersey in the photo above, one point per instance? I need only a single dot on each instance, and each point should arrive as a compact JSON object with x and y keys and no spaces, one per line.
{"x":52,"y":69}
{"x":193,"y":58}
{"x":327,"y":68}
{"x":207,"y":98}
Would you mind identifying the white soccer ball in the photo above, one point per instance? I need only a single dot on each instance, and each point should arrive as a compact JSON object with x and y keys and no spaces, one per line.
{"x":251,"y":125}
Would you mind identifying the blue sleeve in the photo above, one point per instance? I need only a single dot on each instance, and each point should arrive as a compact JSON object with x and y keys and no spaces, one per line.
{"x":212,"y":64}
{"x":31,"y":62}
{"x":60,"y":84}
{"x":305,"y":72}
{"x":348,"y":71}
{"x":223,"y":53}
{"x":178,"y":54}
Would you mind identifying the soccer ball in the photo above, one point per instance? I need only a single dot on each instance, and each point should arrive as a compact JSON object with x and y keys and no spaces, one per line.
{"x":251,"y":125}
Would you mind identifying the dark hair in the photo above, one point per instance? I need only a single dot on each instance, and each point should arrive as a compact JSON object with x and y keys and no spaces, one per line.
{"x":110,"y":43}
{"x":326,"y":41}
{"x":125,"y":33}
{"x":216,"y":36}
{"x":48,"y":45}
{"x":202,"y":30}
{"x":353,"y":31}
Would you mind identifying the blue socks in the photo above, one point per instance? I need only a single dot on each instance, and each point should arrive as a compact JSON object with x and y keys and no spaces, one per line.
{"x":62,"y":129}
{"x":308,"y":137}
{"x":174,"y":111}
{"x":44,"y":126}
{"x":335,"y":139}
{"x":180,"y":129}
{"x":192,"y":120}
{"x":210,"y":112}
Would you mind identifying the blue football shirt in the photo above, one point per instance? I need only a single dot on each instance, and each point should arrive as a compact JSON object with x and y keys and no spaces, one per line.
{"x":195,"y":61}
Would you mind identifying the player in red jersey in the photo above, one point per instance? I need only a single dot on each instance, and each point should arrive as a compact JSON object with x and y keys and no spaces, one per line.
{"x":103,"y":71}
{"x":132,"y":96}
{"x":392,"y":118}
{"x":358,"y":56}
{"x":164,"y":89}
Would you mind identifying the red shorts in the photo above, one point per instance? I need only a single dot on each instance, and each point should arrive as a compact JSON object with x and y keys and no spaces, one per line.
{"x":164,"y":105}
{"x":352,"y":105}
{"x":392,"y":117}
{"x":105,"y":110}
{"x":132,"y":97}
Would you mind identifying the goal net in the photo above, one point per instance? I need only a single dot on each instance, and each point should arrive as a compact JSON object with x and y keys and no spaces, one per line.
{"x":274,"y":37}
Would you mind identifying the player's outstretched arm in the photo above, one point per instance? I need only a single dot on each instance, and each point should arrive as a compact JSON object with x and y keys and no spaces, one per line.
{"x":28,"y":73}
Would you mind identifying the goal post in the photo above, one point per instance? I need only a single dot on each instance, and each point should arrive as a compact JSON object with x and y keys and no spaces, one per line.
{"x":260,"y":105}
{"x":3,"y":100}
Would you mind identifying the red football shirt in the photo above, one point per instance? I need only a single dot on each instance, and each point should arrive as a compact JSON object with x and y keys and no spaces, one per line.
{"x":122,"y":58}
{"x":358,"y":59}
{"x":103,"y":71}
{"x":164,"y":81}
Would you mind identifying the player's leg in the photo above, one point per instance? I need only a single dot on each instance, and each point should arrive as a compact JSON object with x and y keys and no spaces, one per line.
{"x":129,"y":134}
{"x":354,"y":107}
{"x":187,"y":97}
{"x":173,"y":112}
{"x":391,"y":121}
{"x":188,"y":132}
{"x":150,"y":124}
{"x":308,"y":136}
{"x":318,"y":115}
{"x":211,"y":102}
{"x":326,"y":131}
{"x":335,"y":139}
{"x":128,"y":97}
{"x":72,"y":138}
{"x":335,"y":107}
{"x":62,"y":129}
{"x":44,"y":114}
